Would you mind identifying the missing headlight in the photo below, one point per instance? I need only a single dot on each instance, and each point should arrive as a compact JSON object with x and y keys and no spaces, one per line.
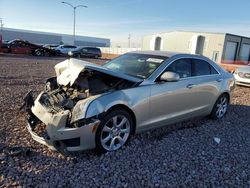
{"x":82,"y":122}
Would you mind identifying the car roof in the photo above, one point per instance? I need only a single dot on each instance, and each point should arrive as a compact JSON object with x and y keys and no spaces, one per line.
{"x":67,"y":45}
{"x":88,"y":47}
{"x":18,"y":40}
{"x":159,"y":53}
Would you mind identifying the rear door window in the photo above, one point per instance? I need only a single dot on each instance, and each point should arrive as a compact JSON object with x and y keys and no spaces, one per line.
{"x":202,"y":68}
{"x":21,"y":44}
{"x":92,"y":50}
{"x":84,"y":50}
{"x":68,"y":46}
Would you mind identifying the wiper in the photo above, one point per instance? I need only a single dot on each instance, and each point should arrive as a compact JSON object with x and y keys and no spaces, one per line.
{"x":136,"y":76}
{"x":141,"y":76}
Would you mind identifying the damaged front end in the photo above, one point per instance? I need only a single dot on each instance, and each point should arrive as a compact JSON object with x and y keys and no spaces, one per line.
{"x":57,"y":118}
{"x":53,"y":128}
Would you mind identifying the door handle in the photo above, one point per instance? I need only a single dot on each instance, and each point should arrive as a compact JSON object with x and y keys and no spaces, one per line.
{"x":190,"y":86}
{"x":219,"y":80}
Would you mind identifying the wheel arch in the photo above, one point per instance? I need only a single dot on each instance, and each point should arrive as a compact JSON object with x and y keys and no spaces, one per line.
{"x":222,"y":93}
{"x":212,"y":115}
{"x":127,"y":109}
{"x":227,"y":94}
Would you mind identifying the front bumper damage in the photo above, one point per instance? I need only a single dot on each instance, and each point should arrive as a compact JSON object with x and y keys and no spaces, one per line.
{"x":57,"y":134}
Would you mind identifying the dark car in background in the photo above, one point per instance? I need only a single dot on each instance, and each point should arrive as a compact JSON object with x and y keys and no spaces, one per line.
{"x":18,"y":46}
{"x":92,"y":52}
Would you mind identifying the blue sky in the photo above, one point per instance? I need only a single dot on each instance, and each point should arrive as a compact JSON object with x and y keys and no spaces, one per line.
{"x":116,"y":19}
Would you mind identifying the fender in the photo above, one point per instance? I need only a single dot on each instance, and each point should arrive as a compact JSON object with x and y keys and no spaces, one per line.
{"x":105,"y":102}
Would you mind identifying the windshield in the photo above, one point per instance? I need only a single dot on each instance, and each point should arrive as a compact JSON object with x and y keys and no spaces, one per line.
{"x":138,"y":65}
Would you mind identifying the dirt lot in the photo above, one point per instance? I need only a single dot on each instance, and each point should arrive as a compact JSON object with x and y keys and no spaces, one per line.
{"x":182,"y":154}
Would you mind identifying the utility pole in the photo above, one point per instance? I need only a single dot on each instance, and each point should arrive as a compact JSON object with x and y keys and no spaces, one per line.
{"x":1,"y":24}
{"x":129,"y":40}
{"x":74,"y":23}
{"x":1,"y":31}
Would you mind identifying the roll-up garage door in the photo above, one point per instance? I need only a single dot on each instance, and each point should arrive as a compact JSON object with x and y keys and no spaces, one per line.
{"x":230,"y":53}
{"x":244,"y":52}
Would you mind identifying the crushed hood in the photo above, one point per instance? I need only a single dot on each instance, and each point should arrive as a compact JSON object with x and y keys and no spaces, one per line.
{"x":68,"y":71}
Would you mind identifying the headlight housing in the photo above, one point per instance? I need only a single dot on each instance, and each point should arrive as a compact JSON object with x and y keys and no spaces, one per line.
{"x":80,"y":110}
{"x":241,"y":74}
{"x":70,"y":53}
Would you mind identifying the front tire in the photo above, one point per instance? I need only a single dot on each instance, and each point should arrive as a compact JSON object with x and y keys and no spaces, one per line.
{"x":114,"y":131}
{"x":220,"y":107}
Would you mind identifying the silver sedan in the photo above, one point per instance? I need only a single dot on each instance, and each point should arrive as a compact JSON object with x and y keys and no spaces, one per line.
{"x":88,"y":106}
{"x":242,"y":76}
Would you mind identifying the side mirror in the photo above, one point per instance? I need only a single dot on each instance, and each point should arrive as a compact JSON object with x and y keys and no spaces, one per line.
{"x":170,"y":77}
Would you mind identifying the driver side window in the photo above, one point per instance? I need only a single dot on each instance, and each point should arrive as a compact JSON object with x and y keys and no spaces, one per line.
{"x":183,"y":67}
{"x":84,"y":50}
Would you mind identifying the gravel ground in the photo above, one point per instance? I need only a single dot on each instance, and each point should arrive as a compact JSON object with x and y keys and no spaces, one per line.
{"x":197,"y":153}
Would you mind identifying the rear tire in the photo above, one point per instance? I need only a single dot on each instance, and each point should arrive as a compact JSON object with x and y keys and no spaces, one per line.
{"x":39,"y":53}
{"x":114,"y":131}
{"x":220,"y":107}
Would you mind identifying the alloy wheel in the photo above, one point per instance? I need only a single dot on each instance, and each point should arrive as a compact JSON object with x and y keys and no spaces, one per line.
{"x":222,"y":106}
{"x":115,"y":132}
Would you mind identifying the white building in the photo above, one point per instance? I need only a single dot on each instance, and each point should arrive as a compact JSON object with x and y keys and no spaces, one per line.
{"x":220,"y":47}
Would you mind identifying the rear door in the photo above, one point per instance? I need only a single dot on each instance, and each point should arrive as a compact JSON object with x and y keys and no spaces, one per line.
{"x":207,"y":82}
{"x":92,"y":52}
{"x":86,"y":52}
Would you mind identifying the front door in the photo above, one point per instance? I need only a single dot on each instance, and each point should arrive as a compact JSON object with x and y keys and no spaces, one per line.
{"x":171,"y":101}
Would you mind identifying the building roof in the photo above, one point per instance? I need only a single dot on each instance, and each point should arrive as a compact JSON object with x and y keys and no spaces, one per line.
{"x":54,"y":34}
{"x":218,"y":33}
{"x":159,"y":53}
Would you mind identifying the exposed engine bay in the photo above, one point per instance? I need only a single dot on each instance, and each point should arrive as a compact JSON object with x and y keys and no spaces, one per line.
{"x":60,"y":97}
{"x":66,"y":114}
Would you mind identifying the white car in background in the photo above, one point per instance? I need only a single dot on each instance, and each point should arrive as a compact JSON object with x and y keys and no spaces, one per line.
{"x":64,"y":49}
{"x":242,"y":76}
